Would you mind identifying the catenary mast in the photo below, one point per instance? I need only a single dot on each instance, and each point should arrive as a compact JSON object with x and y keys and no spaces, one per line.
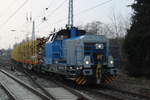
{"x":33,"y":31}
{"x":70,"y":14}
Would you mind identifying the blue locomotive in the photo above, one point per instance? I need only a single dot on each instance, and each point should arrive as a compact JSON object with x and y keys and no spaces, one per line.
{"x":83,"y":58}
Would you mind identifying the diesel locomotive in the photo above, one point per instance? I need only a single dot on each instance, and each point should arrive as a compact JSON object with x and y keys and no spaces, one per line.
{"x":71,"y":53}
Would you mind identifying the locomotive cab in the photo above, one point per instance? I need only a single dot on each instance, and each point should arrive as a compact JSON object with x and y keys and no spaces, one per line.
{"x":91,"y":53}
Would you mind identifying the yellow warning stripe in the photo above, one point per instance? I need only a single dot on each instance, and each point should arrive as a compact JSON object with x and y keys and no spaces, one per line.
{"x":112,"y":78}
{"x":80,"y":80}
{"x":108,"y":79}
{"x":83,"y":82}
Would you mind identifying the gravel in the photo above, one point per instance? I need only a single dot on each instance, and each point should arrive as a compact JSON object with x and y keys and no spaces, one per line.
{"x":136,"y":85}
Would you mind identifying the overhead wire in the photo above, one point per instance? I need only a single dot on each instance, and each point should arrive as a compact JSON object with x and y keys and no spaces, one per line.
{"x":57,"y":8}
{"x":47,"y":8}
{"x":50,"y":4}
{"x":86,"y":10}
{"x":14,"y":13}
{"x":54,"y":10}
{"x":91,"y":8}
{"x":8,"y":7}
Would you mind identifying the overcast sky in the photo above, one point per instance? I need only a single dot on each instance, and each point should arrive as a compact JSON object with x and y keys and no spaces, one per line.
{"x":13,"y":16}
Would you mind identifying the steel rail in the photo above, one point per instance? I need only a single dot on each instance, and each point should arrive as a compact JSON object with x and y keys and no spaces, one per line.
{"x":113,"y":89}
{"x":39,"y":86}
{"x":80,"y":96}
{"x":43,"y":96}
{"x":106,"y":95}
{"x":9,"y":92}
{"x":100,"y":94}
{"x":129,"y":93}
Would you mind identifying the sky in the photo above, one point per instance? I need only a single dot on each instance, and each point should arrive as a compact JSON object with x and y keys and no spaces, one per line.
{"x":14,"y":26}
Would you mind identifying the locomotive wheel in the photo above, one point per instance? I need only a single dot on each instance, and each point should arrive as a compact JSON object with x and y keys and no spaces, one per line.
{"x":30,"y":67}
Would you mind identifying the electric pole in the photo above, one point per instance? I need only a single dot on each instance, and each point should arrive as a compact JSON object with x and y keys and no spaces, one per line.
{"x":70,"y":14}
{"x":33,"y":31}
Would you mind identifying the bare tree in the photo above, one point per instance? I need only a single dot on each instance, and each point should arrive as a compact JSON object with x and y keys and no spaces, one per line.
{"x":119,"y":25}
{"x":93,"y":27}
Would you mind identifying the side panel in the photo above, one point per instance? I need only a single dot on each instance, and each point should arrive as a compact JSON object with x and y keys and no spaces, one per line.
{"x":53,"y":52}
{"x":80,"y":54}
{"x":48,"y":53}
{"x":73,"y":52}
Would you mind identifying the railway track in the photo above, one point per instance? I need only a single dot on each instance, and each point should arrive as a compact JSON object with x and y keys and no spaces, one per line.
{"x":10,"y":96}
{"x":132,"y":94}
{"x":107,"y":92}
{"x":73,"y":91}
{"x":112,"y":93}
{"x":18,"y":90}
{"x":104,"y":95}
{"x":76,"y":95}
{"x":39,"y":86}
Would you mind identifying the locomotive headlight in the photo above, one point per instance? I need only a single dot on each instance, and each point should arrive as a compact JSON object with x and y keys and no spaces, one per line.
{"x":111,"y":62}
{"x":99,"y":46}
{"x":79,"y":68}
{"x":87,"y":62}
{"x":71,"y":68}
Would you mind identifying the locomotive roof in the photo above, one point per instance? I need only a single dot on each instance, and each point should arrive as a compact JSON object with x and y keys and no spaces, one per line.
{"x":89,"y":37}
